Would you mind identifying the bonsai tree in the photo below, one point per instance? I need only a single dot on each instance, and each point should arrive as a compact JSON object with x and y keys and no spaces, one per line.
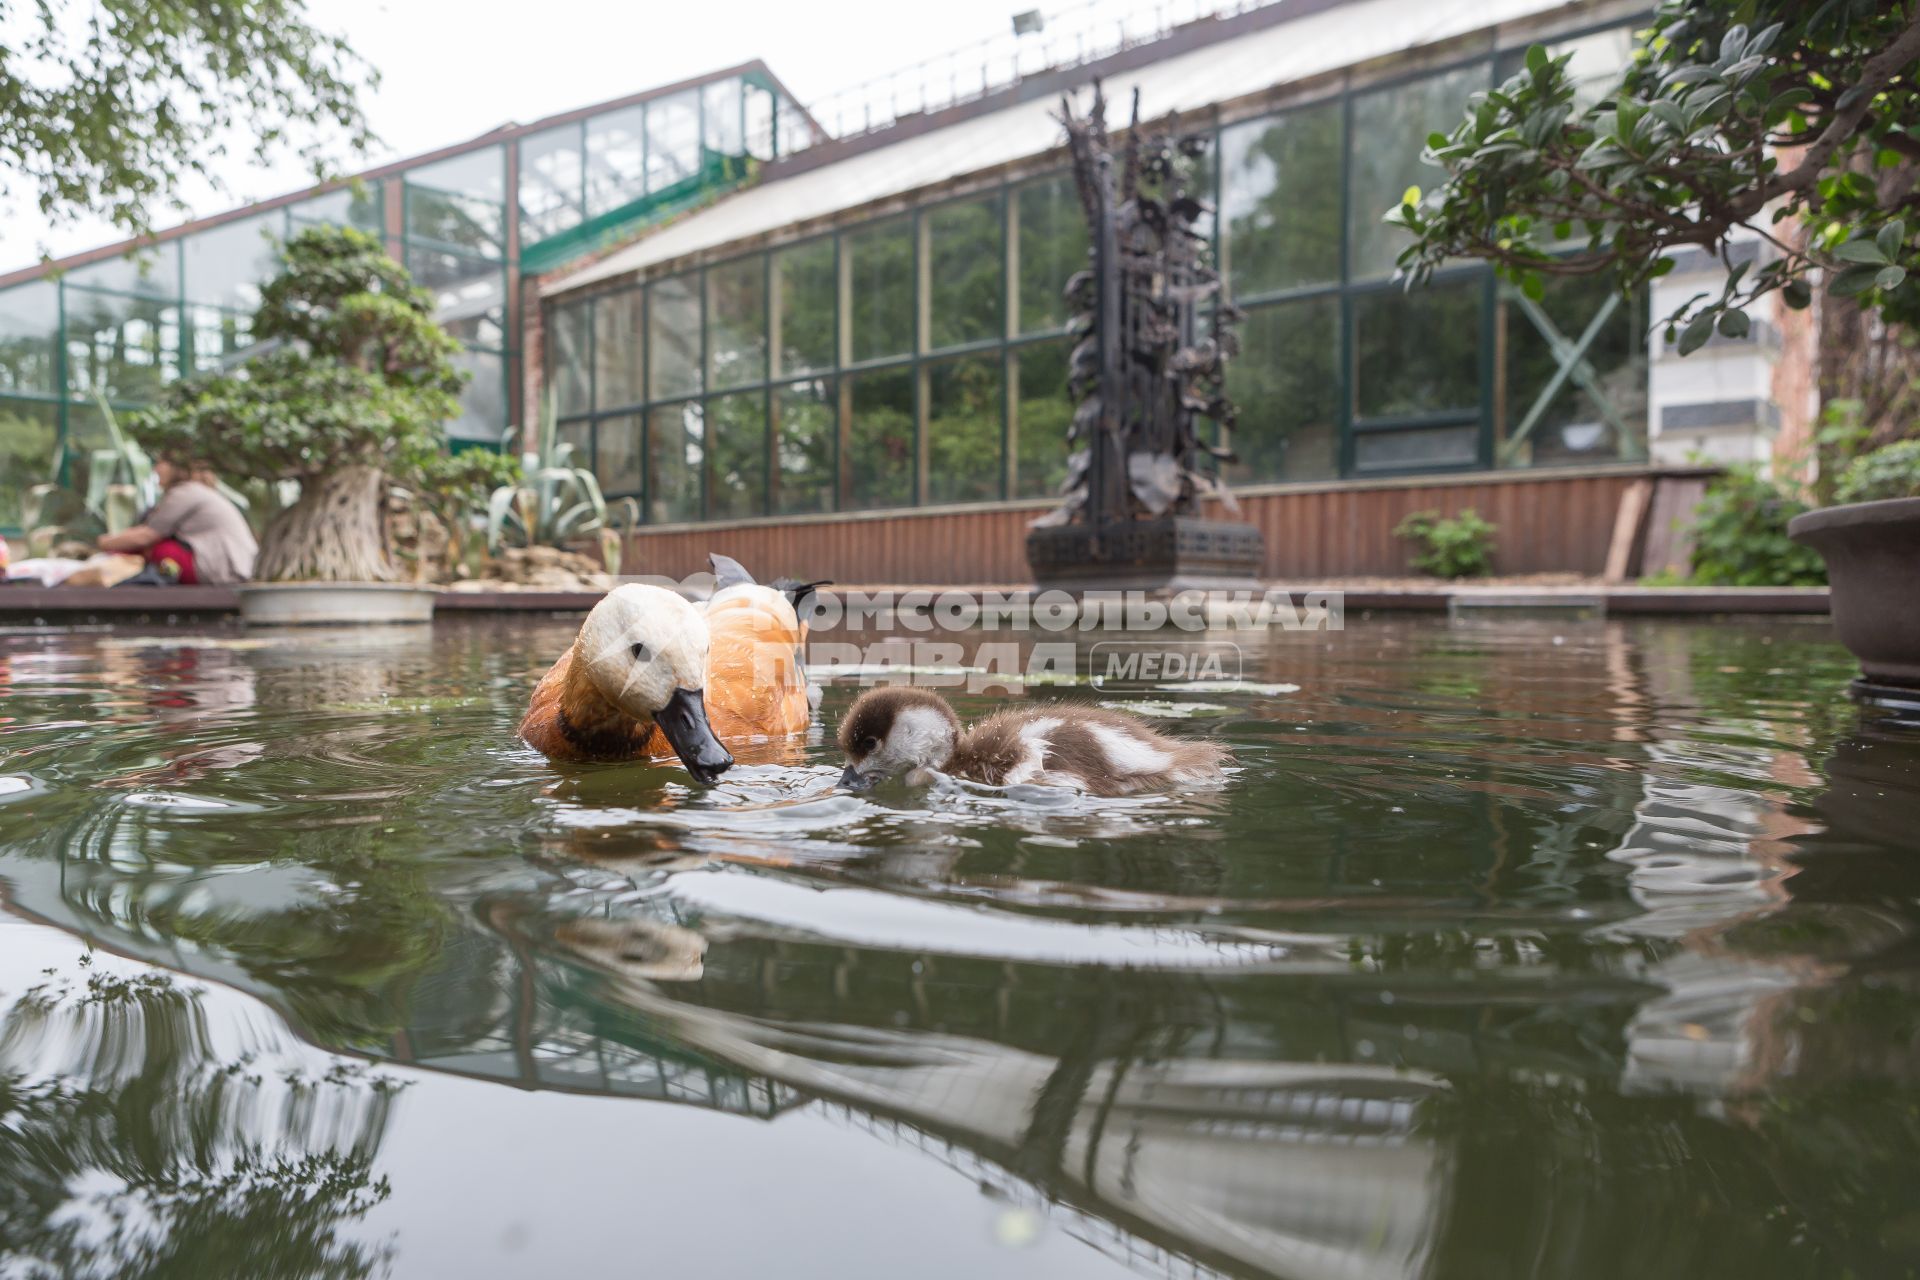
{"x":1734,"y":115}
{"x":454,"y":489}
{"x":349,"y":398}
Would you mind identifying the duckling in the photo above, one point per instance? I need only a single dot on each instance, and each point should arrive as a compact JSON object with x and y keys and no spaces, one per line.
{"x":638,"y":665}
{"x":904,"y":730}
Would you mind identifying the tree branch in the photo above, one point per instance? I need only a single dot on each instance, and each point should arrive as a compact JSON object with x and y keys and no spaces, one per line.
{"x":1880,"y":70}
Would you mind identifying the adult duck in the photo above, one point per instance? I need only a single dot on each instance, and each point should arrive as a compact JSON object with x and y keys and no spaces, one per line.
{"x":631,"y":685}
{"x":900,"y":730}
{"x":757,"y":685}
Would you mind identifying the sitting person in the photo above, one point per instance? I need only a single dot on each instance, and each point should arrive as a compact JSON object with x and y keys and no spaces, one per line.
{"x":193,"y":535}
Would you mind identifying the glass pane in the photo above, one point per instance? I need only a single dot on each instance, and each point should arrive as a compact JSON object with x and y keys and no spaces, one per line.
{"x":1390,"y":127}
{"x":673,"y":337}
{"x":673,"y":139}
{"x":969,"y":287}
{"x":226,"y":265}
{"x":805,"y":283}
{"x":360,"y":205}
{"x":617,"y":455}
{"x":737,"y":322}
{"x":1417,"y":352}
{"x":880,"y":441}
{"x":221,"y":339}
{"x":963,"y":429}
{"x":483,"y":405}
{"x":1412,"y":450}
{"x":808,"y":415}
{"x":460,"y":202}
{"x":675,"y":445}
{"x":153,"y":273}
{"x":616,"y":159}
{"x":480,"y":174}
{"x":123,"y":348}
{"x":470,"y":294}
{"x":617,"y":355}
{"x":27,"y":435}
{"x":1042,"y":413}
{"x":1280,"y":192}
{"x":737,"y":474}
{"x":760,"y":117}
{"x":567,"y":359}
{"x":1286,"y":385}
{"x":882,"y":285}
{"x":29,"y":319}
{"x":724,"y":109}
{"x":1053,"y":245}
{"x":1574,"y":425}
{"x":551,"y":172}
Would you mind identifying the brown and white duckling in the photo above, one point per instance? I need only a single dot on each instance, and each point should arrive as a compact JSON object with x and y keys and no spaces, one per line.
{"x":913,"y":731}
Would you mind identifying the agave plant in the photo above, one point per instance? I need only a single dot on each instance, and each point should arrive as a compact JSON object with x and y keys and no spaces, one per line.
{"x":119,"y":486}
{"x":555,"y":502}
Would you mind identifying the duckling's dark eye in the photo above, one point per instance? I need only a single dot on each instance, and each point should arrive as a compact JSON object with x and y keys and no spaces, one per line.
{"x":869,"y":745}
{"x":640,"y":653}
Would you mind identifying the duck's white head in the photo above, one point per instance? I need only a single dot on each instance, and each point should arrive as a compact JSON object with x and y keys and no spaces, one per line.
{"x":891,"y":731}
{"x":645,"y":650}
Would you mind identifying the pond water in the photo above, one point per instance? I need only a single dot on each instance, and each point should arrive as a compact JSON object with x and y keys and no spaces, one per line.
{"x":1546,"y":948}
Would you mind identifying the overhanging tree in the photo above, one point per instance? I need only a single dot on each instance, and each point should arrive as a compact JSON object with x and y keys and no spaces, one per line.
{"x":352,"y":396}
{"x":1772,"y":116}
{"x":105,"y":107}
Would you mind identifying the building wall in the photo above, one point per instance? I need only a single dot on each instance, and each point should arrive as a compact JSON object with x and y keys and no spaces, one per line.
{"x":934,"y":340}
{"x":1548,"y":522}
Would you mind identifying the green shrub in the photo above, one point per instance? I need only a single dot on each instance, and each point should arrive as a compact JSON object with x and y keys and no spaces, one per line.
{"x":1740,"y":535}
{"x":1891,"y":471}
{"x":1449,"y":546}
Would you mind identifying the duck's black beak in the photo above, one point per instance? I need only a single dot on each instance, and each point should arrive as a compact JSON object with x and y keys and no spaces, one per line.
{"x":853,"y":780}
{"x":684,"y":721}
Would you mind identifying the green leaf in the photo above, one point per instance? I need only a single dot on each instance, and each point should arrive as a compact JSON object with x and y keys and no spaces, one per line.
{"x":1437,"y":141}
{"x":1797,"y":294}
{"x":1886,"y":158}
{"x":1860,"y":251}
{"x":1853,"y":281}
{"x":1695,"y":335}
{"x":1891,"y":237}
{"x":1734,"y":324}
{"x":1532,"y":285}
{"x":1537,"y":59}
{"x":1890,"y":277}
{"x":1410,"y":196}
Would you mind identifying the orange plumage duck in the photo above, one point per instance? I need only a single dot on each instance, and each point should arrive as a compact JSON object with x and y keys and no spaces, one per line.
{"x":754,"y":678}
{"x":635,"y":674}
{"x":757,"y":685}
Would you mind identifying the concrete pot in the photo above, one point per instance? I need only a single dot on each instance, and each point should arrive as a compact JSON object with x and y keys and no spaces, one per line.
{"x":333,"y":604}
{"x":1872,"y":550}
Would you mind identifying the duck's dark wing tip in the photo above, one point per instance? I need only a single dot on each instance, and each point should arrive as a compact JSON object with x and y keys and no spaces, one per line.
{"x":797,"y":592}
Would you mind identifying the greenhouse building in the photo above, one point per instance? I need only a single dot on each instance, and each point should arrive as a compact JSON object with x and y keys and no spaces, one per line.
{"x":841,"y":351}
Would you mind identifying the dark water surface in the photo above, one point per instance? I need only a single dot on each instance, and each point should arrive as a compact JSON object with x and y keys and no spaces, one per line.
{"x":1577,"y":949}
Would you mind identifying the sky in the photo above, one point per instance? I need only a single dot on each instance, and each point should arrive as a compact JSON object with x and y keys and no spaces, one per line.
{"x":450,"y":72}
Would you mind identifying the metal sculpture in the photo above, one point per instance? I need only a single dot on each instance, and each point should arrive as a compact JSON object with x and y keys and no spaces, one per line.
{"x":1147,"y":372}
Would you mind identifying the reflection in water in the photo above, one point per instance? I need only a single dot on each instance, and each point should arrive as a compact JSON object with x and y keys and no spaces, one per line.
{"x":130,"y":1145}
{"x":1508,"y":951}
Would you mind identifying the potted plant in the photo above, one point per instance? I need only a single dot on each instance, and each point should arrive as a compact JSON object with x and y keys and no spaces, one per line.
{"x":1871,"y":543}
{"x":347,"y":398}
{"x":553,"y":503}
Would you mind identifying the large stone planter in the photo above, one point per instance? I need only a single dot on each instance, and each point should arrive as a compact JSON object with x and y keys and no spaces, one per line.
{"x":1872,"y":550}
{"x":334,"y":604}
